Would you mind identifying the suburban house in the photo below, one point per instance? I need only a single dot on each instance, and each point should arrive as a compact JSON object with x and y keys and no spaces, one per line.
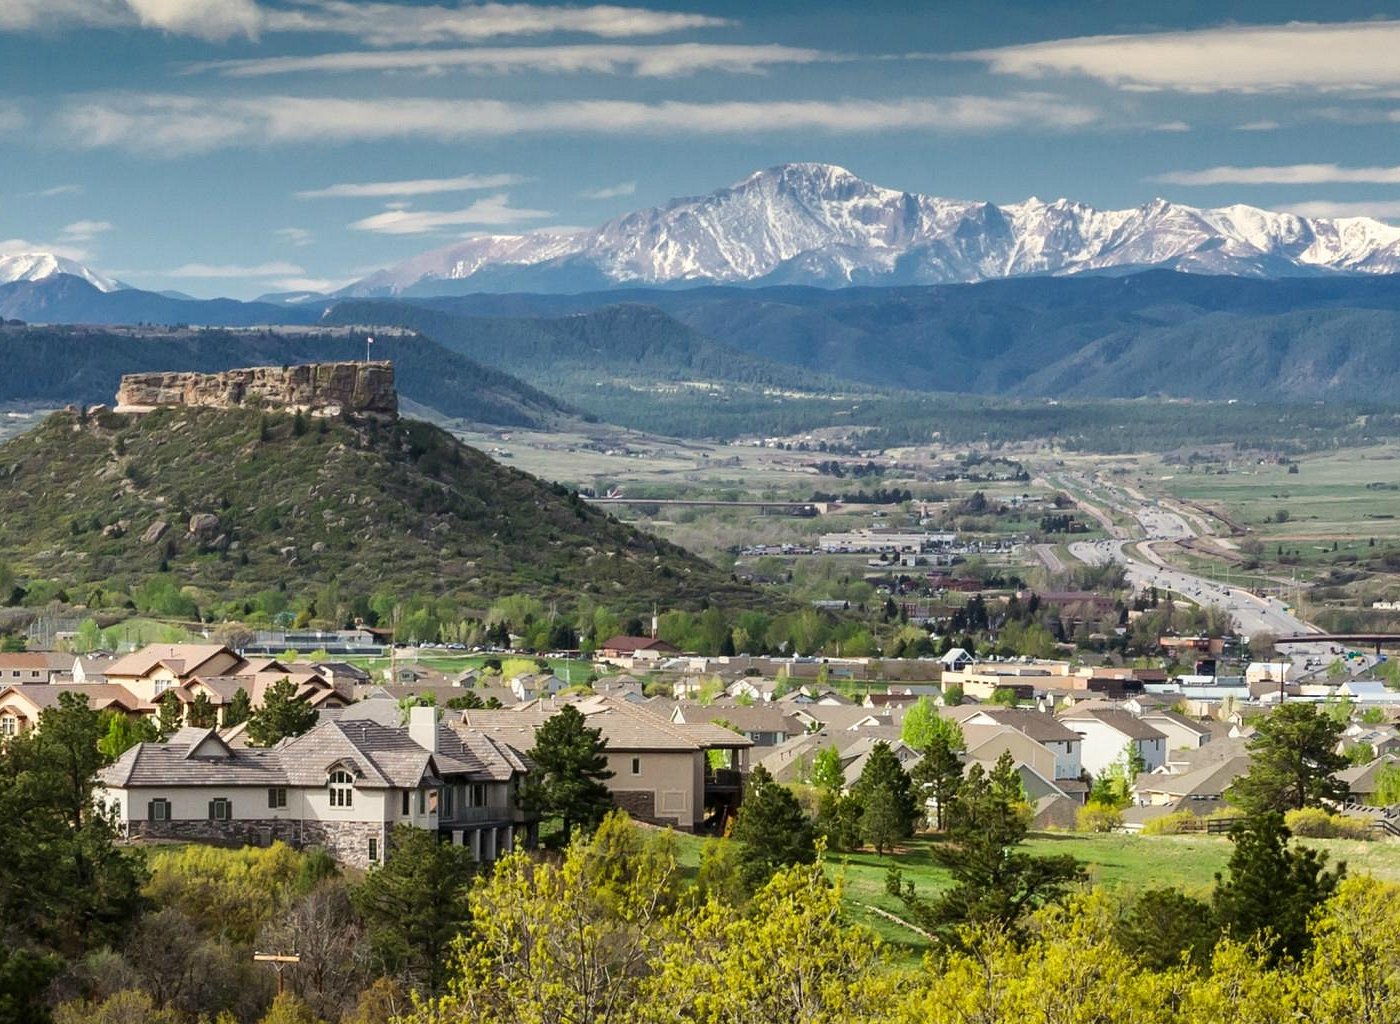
{"x":1106,"y":733}
{"x":1363,"y":780}
{"x":159,"y":667}
{"x":342,"y":786}
{"x":1182,"y":733}
{"x":1063,"y":742}
{"x":764,"y":725}
{"x":35,"y":667}
{"x":1199,"y":791}
{"x":662,"y":770}
{"x":629,"y":651}
{"x":21,"y":706}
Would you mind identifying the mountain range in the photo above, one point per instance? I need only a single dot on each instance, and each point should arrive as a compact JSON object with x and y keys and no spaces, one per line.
{"x":820,"y":225}
{"x":817,"y":224}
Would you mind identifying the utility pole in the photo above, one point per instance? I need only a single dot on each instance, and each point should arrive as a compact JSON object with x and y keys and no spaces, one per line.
{"x":279,"y":962}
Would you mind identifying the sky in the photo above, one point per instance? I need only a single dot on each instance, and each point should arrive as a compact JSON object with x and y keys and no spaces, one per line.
{"x":240,"y":147}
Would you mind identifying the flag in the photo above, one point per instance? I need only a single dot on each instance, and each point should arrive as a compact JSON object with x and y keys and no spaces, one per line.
{"x":368,"y":342}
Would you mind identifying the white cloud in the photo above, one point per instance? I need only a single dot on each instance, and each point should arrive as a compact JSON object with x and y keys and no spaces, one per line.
{"x":618,"y":191}
{"x":294,"y":236}
{"x":215,"y":20}
{"x":667,"y":61}
{"x":13,"y":246}
{"x":1298,"y":55}
{"x":1172,"y":126}
{"x":311,"y":284}
{"x":1383,"y":209}
{"x":1262,"y":125}
{"x":1288,"y":174}
{"x":12,"y":118}
{"x":492,"y":211}
{"x":26,"y":15}
{"x":85,"y":230}
{"x":228,"y":270}
{"x":415,"y":187}
{"x":165,"y":124}
{"x":391,"y":24}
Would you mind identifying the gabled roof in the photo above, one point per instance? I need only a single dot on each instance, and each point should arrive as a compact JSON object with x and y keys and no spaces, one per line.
{"x":1177,"y":719}
{"x":1039,"y":726}
{"x":1121,"y":721}
{"x":189,"y":759}
{"x":189,"y":658}
{"x":633,"y":644}
{"x":100,"y":695}
{"x":625,"y":725}
{"x":1206,"y":783}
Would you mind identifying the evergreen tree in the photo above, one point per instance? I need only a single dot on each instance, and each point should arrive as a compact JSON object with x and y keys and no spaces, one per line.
{"x":994,"y":881}
{"x":1293,"y":755}
{"x":771,"y":829}
{"x":891,"y":816}
{"x":171,"y":716}
{"x":239,"y":709}
{"x":416,"y":903}
{"x":1162,"y":925}
{"x":202,"y":714}
{"x":1273,"y":889}
{"x":282,"y":714}
{"x":839,"y":820}
{"x":937,"y":777}
{"x":571,"y":765}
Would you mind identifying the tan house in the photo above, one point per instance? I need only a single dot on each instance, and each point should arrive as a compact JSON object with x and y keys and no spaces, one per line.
{"x":661,"y":769}
{"x":35,"y":667}
{"x":159,"y":667}
{"x":635,"y":650}
{"x":21,"y":706}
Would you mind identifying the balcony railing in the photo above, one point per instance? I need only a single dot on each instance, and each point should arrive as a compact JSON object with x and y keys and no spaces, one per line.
{"x":724,"y":778}
{"x":472,"y":815}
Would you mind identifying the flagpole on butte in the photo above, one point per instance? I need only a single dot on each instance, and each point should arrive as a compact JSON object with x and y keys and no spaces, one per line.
{"x":368,"y":342}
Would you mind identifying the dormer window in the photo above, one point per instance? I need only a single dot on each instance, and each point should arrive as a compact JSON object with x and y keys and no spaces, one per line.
{"x":342,"y":788}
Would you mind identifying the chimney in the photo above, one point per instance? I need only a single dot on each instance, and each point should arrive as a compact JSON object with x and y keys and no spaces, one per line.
{"x":422,"y":727}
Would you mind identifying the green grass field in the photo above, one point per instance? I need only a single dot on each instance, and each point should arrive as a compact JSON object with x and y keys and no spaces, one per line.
{"x":1116,"y":861}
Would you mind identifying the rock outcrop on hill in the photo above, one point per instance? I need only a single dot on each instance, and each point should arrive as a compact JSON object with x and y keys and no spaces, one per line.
{"x":354,"y":388}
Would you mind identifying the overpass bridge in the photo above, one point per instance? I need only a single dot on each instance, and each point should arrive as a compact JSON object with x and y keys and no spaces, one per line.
{"x":1378,"y":640}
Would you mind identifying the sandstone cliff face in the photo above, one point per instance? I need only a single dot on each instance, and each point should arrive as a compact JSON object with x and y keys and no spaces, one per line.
{"x":361,"y":389}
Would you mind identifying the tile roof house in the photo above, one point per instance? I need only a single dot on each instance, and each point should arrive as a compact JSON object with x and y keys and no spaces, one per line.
{"x":342,"y":786}
{"x":156,"y":668}
{"x":21,"y":706}
{"x":661,"y":770}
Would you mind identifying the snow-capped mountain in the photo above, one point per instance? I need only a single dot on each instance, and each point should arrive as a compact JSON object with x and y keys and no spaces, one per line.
{"x":38,"y":266}
{"x":821,"y":225}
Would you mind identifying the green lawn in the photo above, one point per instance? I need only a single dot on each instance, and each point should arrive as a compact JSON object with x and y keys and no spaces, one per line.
{"x":1117,"y":861}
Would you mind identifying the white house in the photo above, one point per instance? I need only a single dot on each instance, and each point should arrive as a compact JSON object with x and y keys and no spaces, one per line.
{"x":342,"y":786}
{"x":1106,"y":733}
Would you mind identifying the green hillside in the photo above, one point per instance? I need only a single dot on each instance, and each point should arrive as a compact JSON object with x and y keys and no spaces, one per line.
{"x":313,"y":506}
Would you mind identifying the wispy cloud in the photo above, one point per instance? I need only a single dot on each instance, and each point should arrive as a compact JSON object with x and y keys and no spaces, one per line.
{"x":12,"y":118}
{"x":1384,"y":209}
{"x":56,"y":191}
{"x":14,"y":246}
{"x":1262,"y":125}
{"x":215,"y":20}
{"x":1287,"y":174}
{"x":213,"y":271}
{"x":310,"y":284}
{"x":166,"y":124}
{"x":1172,"y":126}
{"x":85,"y":230}
{"x":293,"y":236}
{"x":491,"y":211}
{"x":1298,"y":55}
{"x":618,"y":191}
{"x":394,"y":24}
{"x":666,"y":61}
{"x":414,"y":187}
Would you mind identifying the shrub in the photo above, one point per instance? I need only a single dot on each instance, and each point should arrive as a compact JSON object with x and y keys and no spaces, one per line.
{"x":1316,"y":823}
{"x":1169,"y":824}
{"x":1096,"y":817}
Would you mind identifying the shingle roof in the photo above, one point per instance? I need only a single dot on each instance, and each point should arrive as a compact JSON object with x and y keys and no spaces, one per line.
{"x":139,"y":663}
{"x":1124,"y":722}
{"x":1038,"y":725}
{"x":624,"y":725}
{"x":1209,"y":782}
{"x":99,"y":695}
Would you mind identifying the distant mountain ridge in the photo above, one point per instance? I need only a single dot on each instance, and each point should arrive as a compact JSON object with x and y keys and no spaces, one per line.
{"x":818,"y":224}
{"x":40,"y":266}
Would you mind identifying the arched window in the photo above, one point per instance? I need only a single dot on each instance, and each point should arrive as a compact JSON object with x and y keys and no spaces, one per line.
{"x":342,"y":787}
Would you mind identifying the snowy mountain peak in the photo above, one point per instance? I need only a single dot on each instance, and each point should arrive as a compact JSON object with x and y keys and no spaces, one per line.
{"x":820,"y":224}
{"x":37,"y":266}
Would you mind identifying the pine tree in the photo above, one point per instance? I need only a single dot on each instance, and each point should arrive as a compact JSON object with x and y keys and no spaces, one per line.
{"x":1293,"y":755}
{"x":239,"y":708}
{"x":202,"y":714}
{"x":171,"y":716}
{"x":571,"y":765}
{"x":937,"y":776}
{"x":282,"y":714}
{"x":894,"y":813}
{"x":772,"y":829}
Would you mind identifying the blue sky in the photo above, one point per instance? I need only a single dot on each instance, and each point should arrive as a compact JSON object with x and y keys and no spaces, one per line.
{"x":243,"y":146}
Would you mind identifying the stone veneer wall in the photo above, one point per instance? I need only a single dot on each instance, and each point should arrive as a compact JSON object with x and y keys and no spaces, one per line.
{"x":364,"y":389}
{"x":641,"y":804}
{"x":346,"y":841}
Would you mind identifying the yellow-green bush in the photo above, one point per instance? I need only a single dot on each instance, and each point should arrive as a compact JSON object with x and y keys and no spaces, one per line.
{"x":1096,"y":817}
{"x":1316,"y":823}
{"x":1169,"y":824}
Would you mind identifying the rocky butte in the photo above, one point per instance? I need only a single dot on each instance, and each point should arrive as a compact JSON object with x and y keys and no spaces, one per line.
{"x":324,"y":389}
